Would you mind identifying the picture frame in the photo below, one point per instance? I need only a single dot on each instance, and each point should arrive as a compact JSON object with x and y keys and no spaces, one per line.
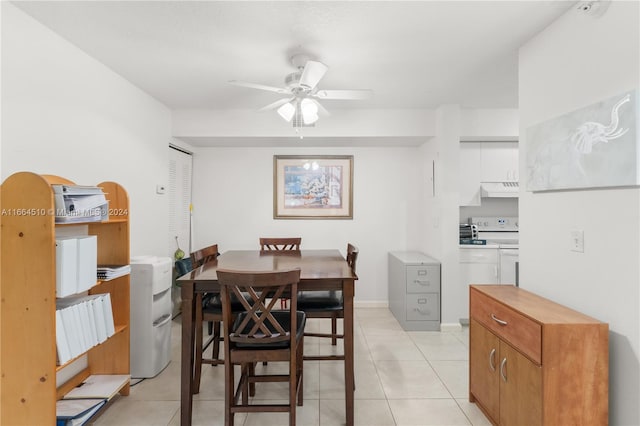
{"x":596,"y":146}
{"x":313,"y":187}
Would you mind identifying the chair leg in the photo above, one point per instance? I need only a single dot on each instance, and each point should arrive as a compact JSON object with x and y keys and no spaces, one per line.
{"x":293,"y":392}
{"x":246,"y":374}
{"x":197,"y":367}
{"x":229,"y":390}
{"x":216,"y":341}
{"x":300,"y":371}
{"x":210,"y":328}
{"x":252,"y":385}
{"x":334,"y":330}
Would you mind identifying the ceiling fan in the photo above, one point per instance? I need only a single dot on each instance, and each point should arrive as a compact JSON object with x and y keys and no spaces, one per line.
{"x":300,"y":105}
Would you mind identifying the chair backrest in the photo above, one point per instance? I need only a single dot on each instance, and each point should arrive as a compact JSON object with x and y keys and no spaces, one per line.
{"x":258,"y":292}
{"x":280,"y":244}
{"x":352,"y":256}
{"x":204,"y":255}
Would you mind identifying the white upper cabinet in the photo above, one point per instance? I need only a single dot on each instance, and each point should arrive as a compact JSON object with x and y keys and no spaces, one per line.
{"x":499,"y":161}
{"x":485,"y":162}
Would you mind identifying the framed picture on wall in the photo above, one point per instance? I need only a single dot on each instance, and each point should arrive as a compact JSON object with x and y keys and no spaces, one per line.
{"x":313,"y":187}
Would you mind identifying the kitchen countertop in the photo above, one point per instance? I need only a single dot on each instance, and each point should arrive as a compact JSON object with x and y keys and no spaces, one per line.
{"x":479,"y":246}
{"x":491,"y":245}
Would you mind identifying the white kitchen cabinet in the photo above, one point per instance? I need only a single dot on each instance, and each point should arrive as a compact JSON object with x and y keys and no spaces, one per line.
{"x":470,"y":174}
{"x":499,"y":161}
{"x":485,"y":162}
{"x":477,"y":266}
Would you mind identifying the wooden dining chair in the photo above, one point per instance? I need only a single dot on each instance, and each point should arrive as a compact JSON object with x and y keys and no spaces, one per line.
{"x":208,"y":308}
{"x":280,"y":244}
{"x":260,"y":333}
{"x":327,"y":304}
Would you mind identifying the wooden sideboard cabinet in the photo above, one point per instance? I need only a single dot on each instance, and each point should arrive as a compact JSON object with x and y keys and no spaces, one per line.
{"x":535,"y":362}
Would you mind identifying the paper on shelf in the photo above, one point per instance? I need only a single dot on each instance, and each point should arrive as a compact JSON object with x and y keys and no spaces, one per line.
{"x":67,"y":409}
{"x":99,"y":386}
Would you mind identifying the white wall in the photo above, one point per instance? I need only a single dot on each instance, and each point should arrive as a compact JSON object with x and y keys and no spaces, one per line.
{"x":575,"y":62}
{"x":233,"y":206}
{"x":66,"y":114}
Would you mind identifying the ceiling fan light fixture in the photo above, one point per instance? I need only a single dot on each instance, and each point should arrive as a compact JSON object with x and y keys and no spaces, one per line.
{"x":309,"y":111}
{"x":310,"y":119}
{"x":287,"y":111}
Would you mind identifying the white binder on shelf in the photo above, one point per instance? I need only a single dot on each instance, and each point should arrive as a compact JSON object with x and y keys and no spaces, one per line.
{"x":62,"y":343}
{"x":72,"y":330}
{"x":101,"y":327}
{"x":75,"y":203}
{"x":87,"y":326}
{"x":108,"y":314}
{"x":66,"y":266}
{"x":87,"y":262}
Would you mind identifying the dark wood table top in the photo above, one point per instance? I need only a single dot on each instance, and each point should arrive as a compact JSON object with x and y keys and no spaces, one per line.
{"x":313,"y":264}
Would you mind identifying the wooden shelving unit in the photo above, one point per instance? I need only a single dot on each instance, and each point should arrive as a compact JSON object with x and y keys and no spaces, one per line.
{"x":28,"y":388}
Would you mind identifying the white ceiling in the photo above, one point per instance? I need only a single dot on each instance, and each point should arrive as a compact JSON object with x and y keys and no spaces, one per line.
{"x":415,"y":54}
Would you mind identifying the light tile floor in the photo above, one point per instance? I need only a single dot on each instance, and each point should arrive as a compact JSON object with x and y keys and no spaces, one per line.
{"x":402,"y":378}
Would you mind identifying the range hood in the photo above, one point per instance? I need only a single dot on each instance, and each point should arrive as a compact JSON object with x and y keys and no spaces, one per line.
{"x":499,"y":189}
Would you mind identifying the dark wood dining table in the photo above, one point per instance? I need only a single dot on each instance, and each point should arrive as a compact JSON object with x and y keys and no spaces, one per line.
{"x":319,"y":270}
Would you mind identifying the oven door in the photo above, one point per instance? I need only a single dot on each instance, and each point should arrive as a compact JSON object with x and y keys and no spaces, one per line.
{"x":508,"y":260}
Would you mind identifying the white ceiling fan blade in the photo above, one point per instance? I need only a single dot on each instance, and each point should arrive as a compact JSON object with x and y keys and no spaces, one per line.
{"x":258,"y":86}
{"x":322,"y":109}
{"x":343,"y":94}
{"x":312,"y":74}
{"x":276,"y":104}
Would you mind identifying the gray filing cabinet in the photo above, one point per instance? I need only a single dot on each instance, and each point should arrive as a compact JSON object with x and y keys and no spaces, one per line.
{"x":414,"y":290}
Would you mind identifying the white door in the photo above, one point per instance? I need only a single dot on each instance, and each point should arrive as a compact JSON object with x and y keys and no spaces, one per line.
{"x":180,"y":166}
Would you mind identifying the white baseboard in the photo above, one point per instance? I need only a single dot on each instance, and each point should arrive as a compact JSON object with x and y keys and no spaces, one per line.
{"x":450,"y":326}
{"x":370,"y":304}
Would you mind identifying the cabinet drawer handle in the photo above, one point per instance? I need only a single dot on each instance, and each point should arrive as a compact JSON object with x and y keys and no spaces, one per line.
{"x":503,"y":364}
{"x":498,"y":320}
{"x":421,"y":282}
{"x":491,"y":358}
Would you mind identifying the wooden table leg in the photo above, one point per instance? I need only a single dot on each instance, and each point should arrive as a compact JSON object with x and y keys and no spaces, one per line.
{"x":186,"y":362}
{"x":349,"y":375}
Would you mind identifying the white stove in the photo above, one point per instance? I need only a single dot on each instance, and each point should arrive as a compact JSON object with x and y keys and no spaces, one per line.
{"x":501,"y":230}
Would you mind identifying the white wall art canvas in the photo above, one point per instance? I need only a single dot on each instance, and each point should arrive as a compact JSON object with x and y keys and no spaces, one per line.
{"x":593,"y":147}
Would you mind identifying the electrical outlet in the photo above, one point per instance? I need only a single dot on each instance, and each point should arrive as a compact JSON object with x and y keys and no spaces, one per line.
{"x":577,"y":241}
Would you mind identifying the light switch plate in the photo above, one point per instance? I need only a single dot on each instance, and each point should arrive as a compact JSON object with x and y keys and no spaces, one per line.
{"x":577,"y":241}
